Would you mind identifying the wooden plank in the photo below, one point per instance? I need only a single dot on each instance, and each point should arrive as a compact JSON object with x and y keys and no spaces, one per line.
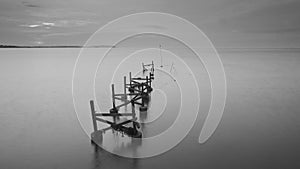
{"x":112,"y":114}
{"x":104,"y":121}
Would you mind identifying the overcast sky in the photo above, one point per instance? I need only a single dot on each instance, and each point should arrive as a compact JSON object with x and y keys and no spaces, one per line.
{"x":228,"y":23}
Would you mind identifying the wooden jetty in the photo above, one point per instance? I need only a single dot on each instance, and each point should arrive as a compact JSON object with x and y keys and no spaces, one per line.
{"x":136,"y":92}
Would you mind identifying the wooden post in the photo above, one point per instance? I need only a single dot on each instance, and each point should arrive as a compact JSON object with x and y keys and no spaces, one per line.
{"x":147,"y":80}
{"x":171,"y":67}
{"x":133,"y":114}
{"x":143,"y":102}
{"x":113,"y":94}
{"x":152,"y":69}
{"x":150,"y":78}
{"x":125,"y":94}
{"x":161,"y":60}
{"x":93,"y":115}
{"x":142,"y":91}
{"x":130,"y":78}
{"x":133,"y":109}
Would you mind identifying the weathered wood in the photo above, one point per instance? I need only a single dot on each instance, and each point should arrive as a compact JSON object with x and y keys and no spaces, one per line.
{"x":104,"y":121}
{"x":113,"y":94}
{"x":137,"y":87}
{"x":93,"y":115}
{"x":125,"y":95}
{"x":111,"y":114}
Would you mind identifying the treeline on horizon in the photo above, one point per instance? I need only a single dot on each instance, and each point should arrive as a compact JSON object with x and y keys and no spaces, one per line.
{"x":111,"y":46}
{"x":55,"y":46}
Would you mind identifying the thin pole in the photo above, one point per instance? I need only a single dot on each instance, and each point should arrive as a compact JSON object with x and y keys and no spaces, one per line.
{"x":160,"y":56}
{"x":130,"y":78}
{"x":152,"y":69}
{"x":133,"y":110}
{"x":171,"y":67}
{"x":133,"y":114}
{"x":147,"y":82}
{"x":113,"y":94}
{"x":125,"y":95}
{"x":150,"y":79}
{"x":93,"y":115}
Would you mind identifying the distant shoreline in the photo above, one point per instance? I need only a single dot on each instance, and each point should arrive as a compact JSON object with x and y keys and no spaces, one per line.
{"x":110,"y":46}
{"x":56,"y":46}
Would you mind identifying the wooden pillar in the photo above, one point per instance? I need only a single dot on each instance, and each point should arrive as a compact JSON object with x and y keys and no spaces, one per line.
{"x":133,"y":115}
{"x":125,"y":94}
{"x":147,"y":81}
{"x":130,"y":79}
{"x":150,"y":78}
{"x":113,"y":95}
{"x":142,"y":91}
{"x":152,"y":69}
{"x":133,"y":109}
{"x":93,"y":115}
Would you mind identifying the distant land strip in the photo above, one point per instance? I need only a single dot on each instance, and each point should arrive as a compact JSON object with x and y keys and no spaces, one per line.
{"x":112,"y":46}
{"x":56,"y":46}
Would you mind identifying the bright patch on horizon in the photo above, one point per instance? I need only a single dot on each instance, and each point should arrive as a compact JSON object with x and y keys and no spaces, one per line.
{"x":33,"y":26}
{"x":30,"y":26}
{"x":48,"y":24}
{"x":39,"y":42}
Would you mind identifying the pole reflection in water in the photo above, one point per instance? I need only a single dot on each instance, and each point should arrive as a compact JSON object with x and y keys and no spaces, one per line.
{"x":104,"y":159}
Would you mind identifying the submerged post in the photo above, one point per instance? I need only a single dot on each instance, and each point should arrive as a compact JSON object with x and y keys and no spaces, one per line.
{"x":93,"y":115}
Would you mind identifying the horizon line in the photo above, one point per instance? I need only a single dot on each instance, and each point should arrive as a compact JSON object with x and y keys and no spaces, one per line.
{"x":112,"y":46}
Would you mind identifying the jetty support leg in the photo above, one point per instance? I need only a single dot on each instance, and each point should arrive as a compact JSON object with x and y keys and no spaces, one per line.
{"x":93,"y":115}
{"x":125,"y":93}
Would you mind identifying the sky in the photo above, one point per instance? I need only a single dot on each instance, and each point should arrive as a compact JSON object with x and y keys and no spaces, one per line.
{"x":228,"y":23}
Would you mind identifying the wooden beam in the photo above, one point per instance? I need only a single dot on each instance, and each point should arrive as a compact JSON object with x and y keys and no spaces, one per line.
{"x":104,"y":121}
{"x":111,"y":114}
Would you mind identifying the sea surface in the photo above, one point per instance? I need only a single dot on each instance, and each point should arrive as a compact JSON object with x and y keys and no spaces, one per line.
{"x":260,"y":126}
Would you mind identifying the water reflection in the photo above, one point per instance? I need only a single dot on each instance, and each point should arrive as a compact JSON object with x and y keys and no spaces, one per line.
{"x":143,"y":118}
{"x":103,"y":159}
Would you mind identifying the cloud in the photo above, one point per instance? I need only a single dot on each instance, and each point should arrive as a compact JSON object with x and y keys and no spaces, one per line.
{"x":48,"y":24}
{"x":62,"y":34}
{"x":59,"y":23}
{"x":30,"y":5}
{"x":274,"y":18}
{"x":73,"y":23}
{"x":31,"y":26}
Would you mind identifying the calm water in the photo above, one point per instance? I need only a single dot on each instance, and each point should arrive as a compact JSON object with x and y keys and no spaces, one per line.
{"x":259,"y":129}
